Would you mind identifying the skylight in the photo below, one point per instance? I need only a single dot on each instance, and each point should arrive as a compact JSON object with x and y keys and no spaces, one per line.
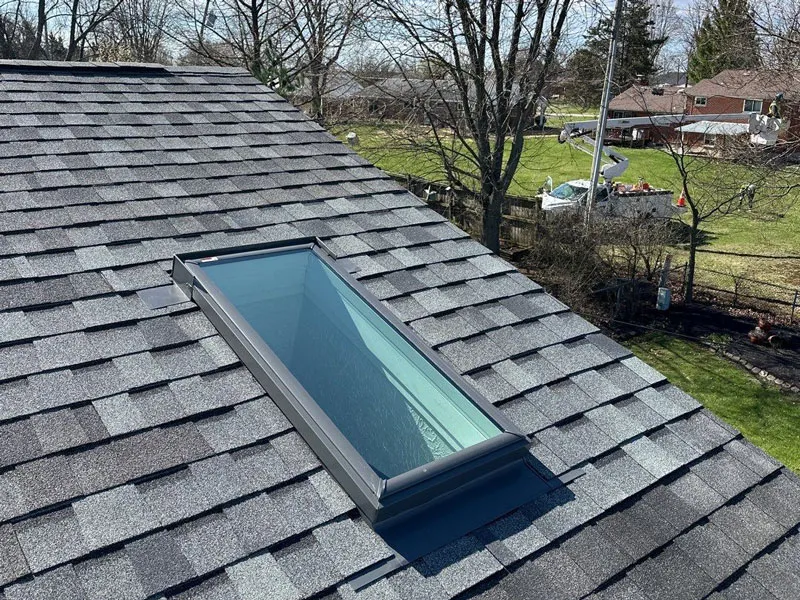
{"x":392,"y":422}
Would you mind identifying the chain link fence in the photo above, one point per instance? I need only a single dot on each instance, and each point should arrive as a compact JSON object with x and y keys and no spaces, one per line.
{"x":732,"y":291}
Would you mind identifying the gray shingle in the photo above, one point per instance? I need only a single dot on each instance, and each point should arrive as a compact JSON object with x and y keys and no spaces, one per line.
{"x":754,"y":458}
{"x":459,"y":565}
{"x":614,"y":423}
{"x":352,"y":546}
{"x":652,"y":457}
{"x":700,"y":432}
{"x":108,"y":343}
{"x":525,"y":415}
{"x":599,"y":388}
{"x":777,"y":499}
{"x":63,"y":350}
{"x":445,"y":328}
{"x":110,"y":576}
{"x":158,"y":562}
{"x":18,"y":360}
{"x":715,"y":552}
{"x":119,"y":414}
{"x":516,"y":534}
{"x":671,"y":576}
{"x":552,"y":575}
{"x":308,"y":566}
{"x":725,"y":474}
{"x":50,"y":539}
{"x":561,"y":400}
{"x":747,"y":525}
{"x":261,"y":578}
{"x":596,"y":554}
{"x":696,"y":494}
{"x":216,"y":588}
{"x":12,"y":562}
{"x":472,"y":353}
{"x":18,"y":443}
{"x":46,"y":481}
{"x":15,"y":326}
{"x":173,"y":497}
{"x":745,"y":587}
{"x":261,"y":466}
{"x":59,"y":584}
{"x":141,"y":369}
{"x":333,"y":496}
{"x":112,"y":516}
{"x":209,"y":543}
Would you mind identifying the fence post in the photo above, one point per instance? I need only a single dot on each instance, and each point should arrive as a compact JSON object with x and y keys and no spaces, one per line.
{"x":795,"y":304}
{"x":683,"y":283}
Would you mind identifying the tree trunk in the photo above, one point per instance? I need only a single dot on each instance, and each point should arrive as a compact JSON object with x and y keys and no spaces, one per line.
{"x":41,"y":18}
{"x":693,"y":241}
{"x":316,"y":98}
{"x":493,"y":198}
{"x":73,"y":26}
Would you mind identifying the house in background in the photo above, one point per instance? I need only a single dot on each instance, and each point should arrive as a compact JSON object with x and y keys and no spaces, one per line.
{"x":730,"y":92}
{"x":644,"y":101}
{"x":142,"y":458}
{"x":736,"y":91}
{"x":409,"y":100}
{"x":339,"y":97}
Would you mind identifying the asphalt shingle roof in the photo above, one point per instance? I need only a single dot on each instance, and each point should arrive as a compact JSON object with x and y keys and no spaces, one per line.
{"x":140,"y":459}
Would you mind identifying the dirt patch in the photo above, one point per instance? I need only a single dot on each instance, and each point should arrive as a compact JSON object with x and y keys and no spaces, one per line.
{"x":728,"y":334}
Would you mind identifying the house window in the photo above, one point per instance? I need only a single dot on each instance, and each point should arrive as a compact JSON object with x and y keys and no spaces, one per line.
{"x":392,"y":422}
{"x":700,"y":101}
{"x":753,"y":106}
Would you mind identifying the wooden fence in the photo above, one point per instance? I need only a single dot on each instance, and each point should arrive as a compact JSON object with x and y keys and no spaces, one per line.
{"x":521,"y":214}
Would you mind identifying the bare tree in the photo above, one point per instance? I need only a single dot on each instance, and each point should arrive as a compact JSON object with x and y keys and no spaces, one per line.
{"x":24,"y":31}
{"x":494,"y":57}
{"x":82,"y":19}
{"x":778,"y":23}
{"x":322,"y":28}
{"x":134,"y":32}
{"x":250,"y":33}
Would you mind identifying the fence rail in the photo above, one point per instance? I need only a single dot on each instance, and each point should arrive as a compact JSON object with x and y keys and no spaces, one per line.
{"x":738,"y":291}
{"x":521,"y":214}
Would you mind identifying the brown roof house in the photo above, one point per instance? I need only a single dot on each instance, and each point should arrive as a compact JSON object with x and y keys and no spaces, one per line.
{"x":239,"y":362}
{"x":644,"y":101}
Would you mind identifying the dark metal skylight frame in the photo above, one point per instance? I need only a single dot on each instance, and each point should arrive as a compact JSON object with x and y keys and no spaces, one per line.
{"x":380,"y":500}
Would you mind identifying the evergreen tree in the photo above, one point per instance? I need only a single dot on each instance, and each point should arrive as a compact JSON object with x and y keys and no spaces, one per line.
{"x":726,"y":39}
{"x":637,"y":50}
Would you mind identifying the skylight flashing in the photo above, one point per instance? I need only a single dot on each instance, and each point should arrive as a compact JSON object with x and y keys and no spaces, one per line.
{"x":382,"y":499}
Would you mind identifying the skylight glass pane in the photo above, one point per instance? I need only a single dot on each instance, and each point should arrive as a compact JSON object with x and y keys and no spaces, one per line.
{"x":391,"y":403}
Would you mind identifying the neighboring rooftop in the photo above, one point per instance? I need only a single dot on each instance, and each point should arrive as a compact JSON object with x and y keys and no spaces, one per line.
{"x":140,"y":459}
{"x":749,"y":84}
{"x":340,"y":85}
{"x":669,"y":78}
{"x":658,"y":100}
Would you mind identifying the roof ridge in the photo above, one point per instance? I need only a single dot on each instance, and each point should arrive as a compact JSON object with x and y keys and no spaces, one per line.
{"x":50,"y":65}
{"x":17,"y":65}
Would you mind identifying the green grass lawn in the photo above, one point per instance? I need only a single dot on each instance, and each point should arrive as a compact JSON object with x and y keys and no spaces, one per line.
{"x":766,"y":416}
{"x":543,"y":156}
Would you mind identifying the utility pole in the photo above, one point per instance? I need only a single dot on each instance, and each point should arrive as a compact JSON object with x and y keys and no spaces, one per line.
{"x":601,"y":122}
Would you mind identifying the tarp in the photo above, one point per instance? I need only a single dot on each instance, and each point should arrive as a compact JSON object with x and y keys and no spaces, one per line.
{"x":714,"y":128}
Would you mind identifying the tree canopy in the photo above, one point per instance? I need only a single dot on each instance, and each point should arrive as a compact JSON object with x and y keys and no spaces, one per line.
{"x":637,"y":49}
{"x":726,"y":39}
